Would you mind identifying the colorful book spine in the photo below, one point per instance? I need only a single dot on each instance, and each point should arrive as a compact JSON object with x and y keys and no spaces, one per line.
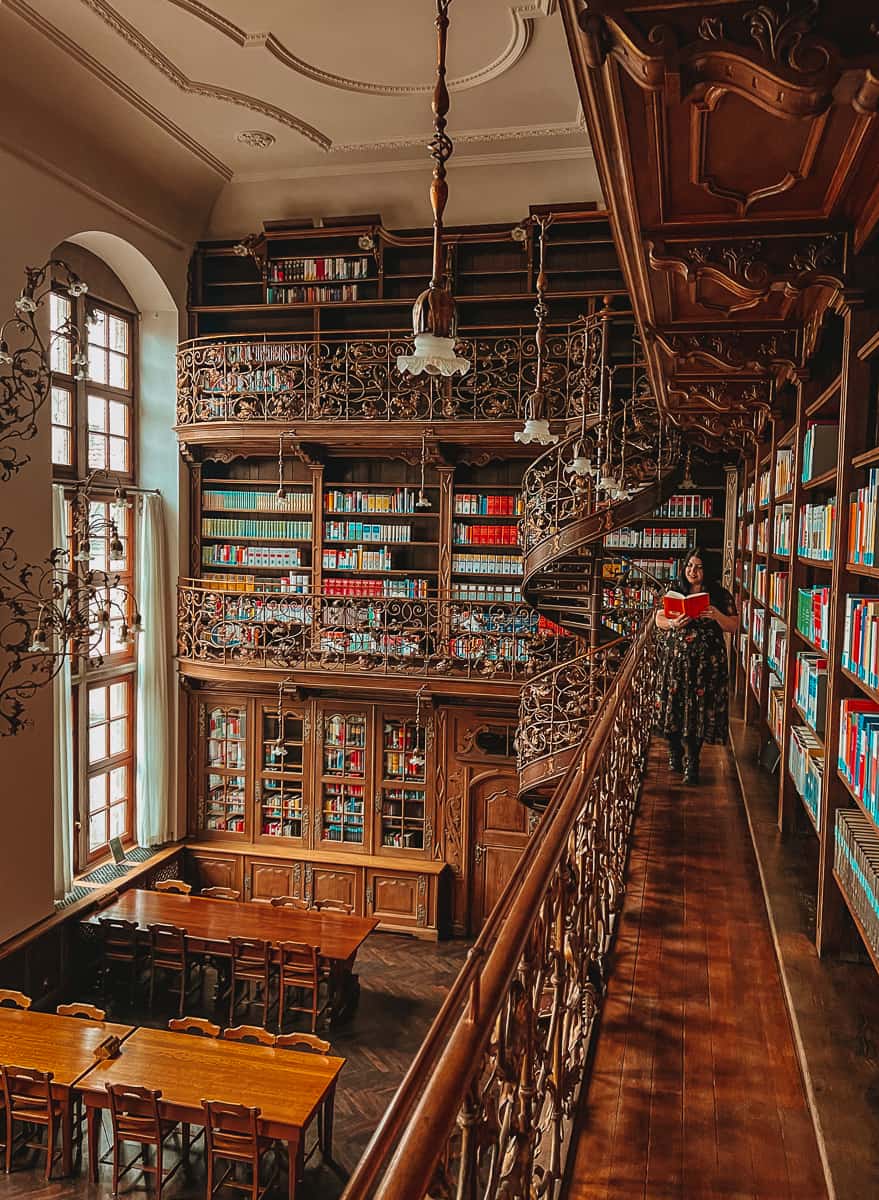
{"x":764,"y":488}
{"x":863,"y":527}
{"x":356,"y":558}
{"x":480,"y":504}
{"x":486,"y":564}
{"x":354,"y":500}
{"x":776,"y":647}
{"x":858,"y":755}
{"x":806,"y":765}
{"x":813,"y":615}
{"x":263,"y":557}
{"x":856,"y":863}
{"x":651,"y":538}
{"x":227,"y":527}
{"x":816,"y":532}
{"x":361,"y":531}
{"x":688,"y":506}
{"x":778,"y":592}
{"x":313,"y":294}
{"x":784,"y":471}
{"x":781,"y":530}
{"x":484,"y":535}
{"x":388,"y":589}
{"x":244,"y":500}
{"x":810,"y":687}
{"x":819,"y":450}
{"x":860,"y":638}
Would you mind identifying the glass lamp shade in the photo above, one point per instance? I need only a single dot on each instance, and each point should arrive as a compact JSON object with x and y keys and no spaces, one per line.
{"x":433,"y":356}
{"x":580,"y":465}
{"x":39,"y":645}
{"x":536,"y":431}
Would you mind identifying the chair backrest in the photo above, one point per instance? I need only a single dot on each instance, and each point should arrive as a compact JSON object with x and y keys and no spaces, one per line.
{"x":249,"y":954}
{"x":9,"y":998}
{"x":249,"y":1033}
{"x":168,"y":943}
{"x":118,"y":937}
{"x":230,"y":1127}
{"x":197,"y":1026}
{"x":86,"y":1012}
{"x":299,"y":963}
{"x":290,"y":902}
{"x":334,"y":906}
{"x":220,"y":893}
{"x":25,"y":1087}
{"x":173,"y":885}
{"x":302,"y":1041}
{"x":134,"y":1112}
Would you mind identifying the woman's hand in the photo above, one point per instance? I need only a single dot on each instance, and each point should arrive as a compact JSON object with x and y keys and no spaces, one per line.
{"x":711,"y":612}
{"x":679,"y":622}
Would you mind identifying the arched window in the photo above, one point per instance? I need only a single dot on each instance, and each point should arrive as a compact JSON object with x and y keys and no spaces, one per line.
{"x":94,"y":413}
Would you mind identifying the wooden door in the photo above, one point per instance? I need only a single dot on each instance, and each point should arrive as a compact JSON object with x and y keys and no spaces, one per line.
{"x":500,"y":832}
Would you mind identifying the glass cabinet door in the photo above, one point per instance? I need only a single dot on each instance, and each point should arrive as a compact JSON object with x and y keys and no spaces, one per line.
{"x":281,"y":810}
{"x":223,"y":769}
{"x":343,"y":778}
{"x":403,"y":774}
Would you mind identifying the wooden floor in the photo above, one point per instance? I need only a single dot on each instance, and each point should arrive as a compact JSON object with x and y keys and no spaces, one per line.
{"x":403,"y":982}
{"x":695,"y":1091}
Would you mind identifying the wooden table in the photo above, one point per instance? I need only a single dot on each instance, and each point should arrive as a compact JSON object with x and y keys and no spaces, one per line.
{"x":63,"y":1045}
{"x":288,"y":1087}
{"x":211,"y":923}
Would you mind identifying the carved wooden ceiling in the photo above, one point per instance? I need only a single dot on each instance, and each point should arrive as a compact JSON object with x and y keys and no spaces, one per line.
{"x":738,"y":147}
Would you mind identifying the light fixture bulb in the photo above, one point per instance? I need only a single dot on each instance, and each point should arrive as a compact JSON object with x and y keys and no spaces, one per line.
{"x":125,"y":636}
{"x":416,"y":759}
{"x":39,"y":645}
{"x":535,"y":431}
{"x":122,"y":501}
{"x":77,"y":287}
{"x":433,"y":356}
{"x":84,"y":553}
{"x":580,"y":465}
{"x":422,"y":501}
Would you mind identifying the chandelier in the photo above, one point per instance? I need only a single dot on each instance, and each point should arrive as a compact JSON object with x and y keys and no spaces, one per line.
{"x":434,"y":320}
{"x":536,"y":423}
{"x":24,"y":370}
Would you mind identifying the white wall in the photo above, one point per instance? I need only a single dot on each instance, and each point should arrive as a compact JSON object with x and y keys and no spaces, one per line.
{"x":40,"y":210}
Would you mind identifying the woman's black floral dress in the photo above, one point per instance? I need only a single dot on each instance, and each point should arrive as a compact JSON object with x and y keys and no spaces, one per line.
{"x":693,"y":692}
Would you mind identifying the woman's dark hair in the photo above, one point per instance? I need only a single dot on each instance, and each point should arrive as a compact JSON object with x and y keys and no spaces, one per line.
{"x":710,"y":583}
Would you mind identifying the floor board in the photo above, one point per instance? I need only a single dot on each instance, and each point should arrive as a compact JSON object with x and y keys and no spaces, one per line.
{"x":696,"y":1093}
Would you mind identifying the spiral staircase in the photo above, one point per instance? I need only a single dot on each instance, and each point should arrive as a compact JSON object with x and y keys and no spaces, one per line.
{"x":565,"y":578}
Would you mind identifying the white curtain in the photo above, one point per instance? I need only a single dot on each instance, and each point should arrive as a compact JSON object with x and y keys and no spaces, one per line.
{"x":153,"y":677}
{"x":63,"y":740}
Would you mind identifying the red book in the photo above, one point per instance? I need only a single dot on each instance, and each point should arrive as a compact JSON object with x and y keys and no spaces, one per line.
{"x":675,"y":604}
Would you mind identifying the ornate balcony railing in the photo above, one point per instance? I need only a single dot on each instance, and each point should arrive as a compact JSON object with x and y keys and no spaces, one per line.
{"x":254,"y":379}
{"x":487,"y":1104}
{"x":386,"y":635}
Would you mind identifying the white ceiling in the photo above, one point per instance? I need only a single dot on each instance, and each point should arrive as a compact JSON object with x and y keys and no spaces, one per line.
{"x":333,"y":97}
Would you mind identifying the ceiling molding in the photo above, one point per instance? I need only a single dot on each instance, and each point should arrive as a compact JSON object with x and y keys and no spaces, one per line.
{"x":60,"y":39}
{"x":522,"y":18}
{"x":194,"y":87}
{"x":515,"y":133}
{"x":326,"y":170}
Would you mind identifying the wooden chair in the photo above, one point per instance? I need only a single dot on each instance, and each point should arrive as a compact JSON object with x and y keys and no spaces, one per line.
{"x":299,"y":972}
{"x":176,"y":886}
{"x":119,"y":951}
{"x":197,"y":1026}
{"x":27,"y":1100}
{"x":86,"y":1012}
{"x":134,"y":1117}
{"x":250,"y":964}
{"x":248,"y":1033}
{"x":12,"y":999}
{"x":311,"y":1044}
{"x":290,"y":902}
{"x":220,"y":893}
{"x":169,"y":952}
{"x":339,"y":906}
{"x":232,"y":1136}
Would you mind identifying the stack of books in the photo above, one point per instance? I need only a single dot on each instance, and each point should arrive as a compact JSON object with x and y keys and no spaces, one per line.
{"x":245,"y":500}
{"x":784,"y":472}
{"x":863,"y":528}
{"x":805,"y":762}
{"x":859,"y":751}
{"x":776,"y":647}
{"x":819,"y":450}
{"x":810,"y":687}
{"x":687,"y":506}
{"x":778,"y":592}
{"x":856,"y":862}
{"x":781,"y":530}
{"x":813,"y":615}
{"x":477,"y":504}
{"x":399,"y":500}
{"x":817,"y":525}
{"x":860,"y":638}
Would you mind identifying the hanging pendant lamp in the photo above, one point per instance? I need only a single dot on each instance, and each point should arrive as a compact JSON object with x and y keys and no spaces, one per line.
{"x":536,"y":424}
{"x":434,"y":319}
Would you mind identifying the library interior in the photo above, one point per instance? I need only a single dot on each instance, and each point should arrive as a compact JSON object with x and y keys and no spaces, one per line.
{"x":439,"y":599}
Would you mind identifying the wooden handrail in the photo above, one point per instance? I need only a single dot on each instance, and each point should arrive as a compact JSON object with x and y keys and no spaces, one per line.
{"x":399,"y":1162}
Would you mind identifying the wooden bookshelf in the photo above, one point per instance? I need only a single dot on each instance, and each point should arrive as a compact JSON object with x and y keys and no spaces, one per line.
{"x":841,"y":395}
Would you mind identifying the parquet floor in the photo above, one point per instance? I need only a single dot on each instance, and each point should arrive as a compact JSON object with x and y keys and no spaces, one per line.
{"x":695,"y":1091}
{"x":403,"y":982}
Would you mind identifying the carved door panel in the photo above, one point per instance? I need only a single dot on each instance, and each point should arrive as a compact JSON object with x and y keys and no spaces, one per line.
{"x":500,"y":833}
{"x":215,"y":870}
{"x":267,"y":879}
{"x":336,"y":883}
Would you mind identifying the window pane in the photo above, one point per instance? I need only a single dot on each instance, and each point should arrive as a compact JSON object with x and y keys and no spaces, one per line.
{"x":97,"y":705}
{"x":118,"y":814}
{"x":97,"y":415}
{"x":97,"y":364}
{"x":61,"y":447}
{"x":97,"y":830}
{"x":98,"y":327}
{"x":118,"y":699}
{"x":59,"y":311}
{"x":97,"y":555}
{"x":118,"y":335}
{"x":60,"y":353}
{"x":97,"y":793}
{"x":118,"y":454}
{"x":118,"y":371}
{"x":60,"y":406}
{"x":97,"y":744}
{"x":97,"y":451}
{"x":118,"y":784}
{"x":118,"y":736}
{"x":118,"y":418}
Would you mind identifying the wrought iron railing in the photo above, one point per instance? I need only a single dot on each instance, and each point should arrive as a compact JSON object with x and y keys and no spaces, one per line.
{"x":487,"y":1104}
{"x":254,"y":379}
{"x":388,"y":635}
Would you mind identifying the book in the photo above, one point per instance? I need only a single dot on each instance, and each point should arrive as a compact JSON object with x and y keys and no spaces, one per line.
{"x":675,"y":604}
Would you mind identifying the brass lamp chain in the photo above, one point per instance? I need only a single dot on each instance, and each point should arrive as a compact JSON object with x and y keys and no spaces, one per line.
{"x":440,"y":145}
{"x":537,"y":400}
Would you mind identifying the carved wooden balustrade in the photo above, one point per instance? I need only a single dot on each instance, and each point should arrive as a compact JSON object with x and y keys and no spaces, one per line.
{"x":486,"y":1107}
{"x":385,"y":635}
{"x":254,"y":379}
